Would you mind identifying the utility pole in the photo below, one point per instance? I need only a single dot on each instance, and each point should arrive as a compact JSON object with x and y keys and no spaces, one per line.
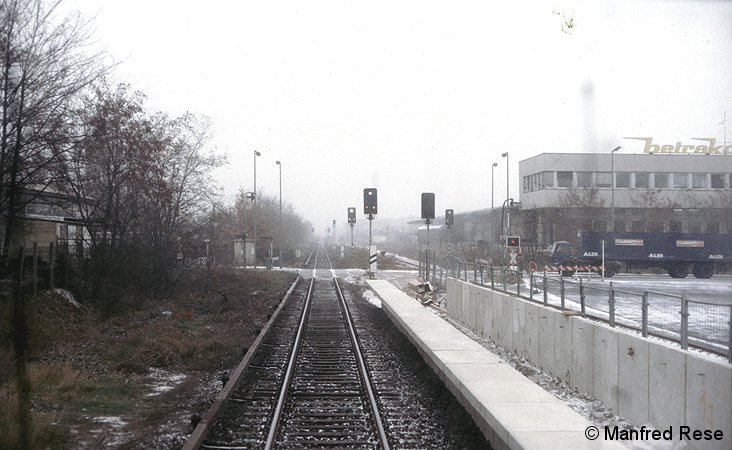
{"x":279,"y":165}
{"x":492,"y":217}
{"x":612,"y":188}
{"x":256,"y":153}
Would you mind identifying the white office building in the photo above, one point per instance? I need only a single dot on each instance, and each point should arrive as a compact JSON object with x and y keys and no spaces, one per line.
{"x":562,"y":193}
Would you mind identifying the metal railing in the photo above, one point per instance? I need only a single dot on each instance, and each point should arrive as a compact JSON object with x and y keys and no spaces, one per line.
{"x":691,"y":322}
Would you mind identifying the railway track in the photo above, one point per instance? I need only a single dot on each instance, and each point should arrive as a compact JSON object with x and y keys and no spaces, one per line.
{"x":324,"y":373}
{"x":308,"y":386}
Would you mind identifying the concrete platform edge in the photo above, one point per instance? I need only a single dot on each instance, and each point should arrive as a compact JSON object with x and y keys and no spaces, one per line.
{"x":536,"y":421}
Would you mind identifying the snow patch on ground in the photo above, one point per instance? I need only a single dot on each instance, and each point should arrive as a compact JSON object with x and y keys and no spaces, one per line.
{"x":113,"y":421}
{"x":68,"y":296}
{"x":111,"y":428}
{"x":372,"y":298}
{"x":163,"y":381}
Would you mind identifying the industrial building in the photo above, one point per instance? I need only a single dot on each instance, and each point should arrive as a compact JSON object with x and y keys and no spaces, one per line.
{"x":562,"y":193}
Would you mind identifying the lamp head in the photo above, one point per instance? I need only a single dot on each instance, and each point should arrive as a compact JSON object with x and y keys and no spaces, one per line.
{"x":256,"y":153}
{"x":504,"y":154}
{"x":495,"y":164}
{"x":278,"y":163}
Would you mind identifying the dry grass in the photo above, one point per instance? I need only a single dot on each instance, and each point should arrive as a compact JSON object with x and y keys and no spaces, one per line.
{"x":85,"y":365}
{"x":52,"y":377}
{"x":45,"y":429}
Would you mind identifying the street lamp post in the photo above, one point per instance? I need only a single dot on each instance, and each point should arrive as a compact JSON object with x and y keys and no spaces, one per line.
{"x":505,"y":155}
{"x":493,"y":219}
{"x":256,"y":153}
{"x":279,"y":165}
{"x":612,"y":187}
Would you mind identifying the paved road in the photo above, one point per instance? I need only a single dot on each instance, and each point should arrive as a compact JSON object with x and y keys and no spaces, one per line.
{"x":715,"y":290}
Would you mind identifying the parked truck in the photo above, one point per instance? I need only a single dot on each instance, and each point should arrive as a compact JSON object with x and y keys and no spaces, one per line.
{"x":702,"y":254}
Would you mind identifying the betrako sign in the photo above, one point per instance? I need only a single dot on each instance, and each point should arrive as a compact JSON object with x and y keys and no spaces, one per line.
{"x":709,"y":148}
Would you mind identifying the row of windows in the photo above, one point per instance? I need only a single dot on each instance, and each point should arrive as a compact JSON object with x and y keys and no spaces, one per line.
{"x":45,"y":209}
{"x":674,"y":226}
{"x":638,"y":180}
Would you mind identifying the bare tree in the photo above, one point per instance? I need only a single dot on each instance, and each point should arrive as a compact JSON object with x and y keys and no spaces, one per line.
{"x":577,"y":207}
{"x":235,"y":222}
{"x":175,"y":177}
{"x":142,"y":183}
{"x":100,"y":168}
{"x":43,"y":70}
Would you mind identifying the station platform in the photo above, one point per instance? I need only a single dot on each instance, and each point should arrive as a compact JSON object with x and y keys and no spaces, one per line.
{"x":511,"y":410}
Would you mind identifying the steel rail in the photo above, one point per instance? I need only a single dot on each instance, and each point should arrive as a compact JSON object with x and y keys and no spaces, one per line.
{"x":363,"y":372}
{"x":201,"y":430}
{"x":366,"y":379}
{"x":307,"y":261}
{"x":276,"y":417}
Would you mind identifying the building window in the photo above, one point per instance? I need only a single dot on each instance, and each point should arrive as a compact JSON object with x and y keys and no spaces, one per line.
{"x":599,"y":225}
{"x":681,"y":180}
{"x":642,"y":180}
{"x":604,"y":179}
{"x":637,"y":225}
{"x":675,"y":226}
{"x":564,"y":179}
{"x":713,"y":227}
{"x":548,"y":179}
{"x":718,"y":180}
{"x":584,"y":179}
{"x":660,"y":180}
{"x":622,"y":179}
{"x":695,"y":226}
{"x":699,"y":180}
{"x":539,"y":181}
{"x":656,"y":226}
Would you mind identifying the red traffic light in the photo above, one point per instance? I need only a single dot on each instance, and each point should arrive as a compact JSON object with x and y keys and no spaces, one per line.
{"x":513,"y":242}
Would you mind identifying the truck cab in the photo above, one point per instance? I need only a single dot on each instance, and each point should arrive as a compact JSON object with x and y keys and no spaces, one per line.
{"x":561,"y":253}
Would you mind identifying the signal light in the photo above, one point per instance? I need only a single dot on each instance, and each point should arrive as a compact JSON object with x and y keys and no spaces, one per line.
{"x":428,"y":205}
{"x":351,"y":215}
{"x":369,"y":201}
{"x":449,"y":217}
{"x":513,"y":241}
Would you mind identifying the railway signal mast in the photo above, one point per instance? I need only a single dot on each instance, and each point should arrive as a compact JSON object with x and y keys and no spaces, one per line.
{"x":449,"y":222}
{"x":370,"y":209}
{"x":352,"y":223}
{"x":428,"y":213}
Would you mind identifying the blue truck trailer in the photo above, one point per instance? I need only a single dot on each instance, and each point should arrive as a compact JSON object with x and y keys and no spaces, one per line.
{"x":702,"y":254}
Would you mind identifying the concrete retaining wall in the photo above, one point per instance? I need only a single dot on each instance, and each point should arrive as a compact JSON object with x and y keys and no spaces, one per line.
{"x":642,"y":380}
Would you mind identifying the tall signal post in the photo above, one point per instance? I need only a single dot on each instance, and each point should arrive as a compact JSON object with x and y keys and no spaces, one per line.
{"x":449,"y":221}
{"x":428,"y":213}
{"x":352,"y":223}
{"x":370,"y":209}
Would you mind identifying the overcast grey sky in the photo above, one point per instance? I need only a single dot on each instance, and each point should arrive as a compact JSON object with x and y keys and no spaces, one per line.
{"x":421,"y":96}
